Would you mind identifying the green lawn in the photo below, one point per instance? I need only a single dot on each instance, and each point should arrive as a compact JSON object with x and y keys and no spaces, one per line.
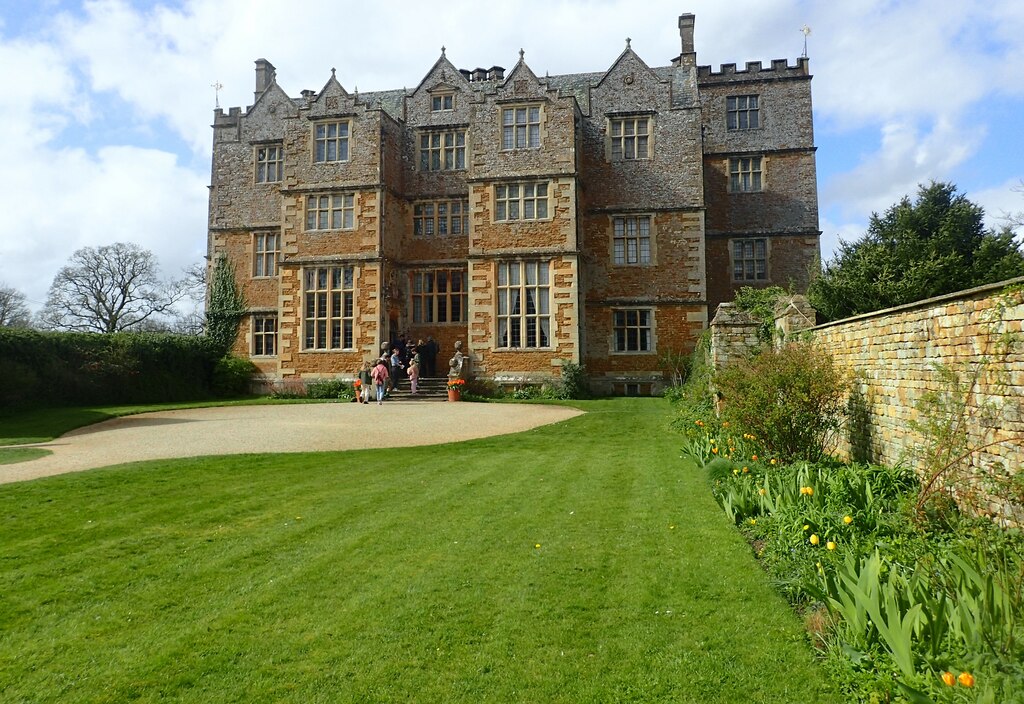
{"x":580,"y":562}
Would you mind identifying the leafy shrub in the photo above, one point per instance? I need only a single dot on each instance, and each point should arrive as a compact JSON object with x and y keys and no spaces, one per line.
{"x":482,"y":389}
{"x":693,"y":401}
{"x":330,"y":388}
{"x":60,"y":368}
{"x":574,"y":383}
{"x":525,"y":392}
{"x":232,"y":376}
{"x":760,"y":304}
{"x":793,"y":399}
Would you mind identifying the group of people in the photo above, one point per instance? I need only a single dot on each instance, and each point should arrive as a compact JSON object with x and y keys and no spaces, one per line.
{"x":407,"y":359}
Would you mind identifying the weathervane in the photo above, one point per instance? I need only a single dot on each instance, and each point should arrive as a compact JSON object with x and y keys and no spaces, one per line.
{"x":216,"y":85}
{"x":806,"y":31}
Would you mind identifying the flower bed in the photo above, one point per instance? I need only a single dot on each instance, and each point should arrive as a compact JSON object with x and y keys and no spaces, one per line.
{"x":905,"y":605}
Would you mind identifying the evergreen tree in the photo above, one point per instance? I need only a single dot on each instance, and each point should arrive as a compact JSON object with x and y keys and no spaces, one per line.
{"x":937,"y":244}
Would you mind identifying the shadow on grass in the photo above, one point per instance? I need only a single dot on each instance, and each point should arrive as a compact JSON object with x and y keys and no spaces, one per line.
{"x":12,"y":455}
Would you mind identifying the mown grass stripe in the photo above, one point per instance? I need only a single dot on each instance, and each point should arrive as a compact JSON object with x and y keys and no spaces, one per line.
{"x":397,"y":575}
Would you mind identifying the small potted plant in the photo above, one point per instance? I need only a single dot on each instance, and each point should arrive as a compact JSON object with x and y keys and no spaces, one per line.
{"x":455,"y":387}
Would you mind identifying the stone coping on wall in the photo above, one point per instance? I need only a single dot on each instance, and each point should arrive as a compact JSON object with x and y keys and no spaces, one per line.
{"x":924,"y":303}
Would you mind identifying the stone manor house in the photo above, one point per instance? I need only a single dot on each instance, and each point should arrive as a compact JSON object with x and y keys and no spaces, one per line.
{"x":598,"y":217}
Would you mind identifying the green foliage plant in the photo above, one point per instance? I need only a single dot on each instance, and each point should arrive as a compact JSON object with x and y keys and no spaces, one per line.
{"x":677,"y":364}
{"x":760,"y":304}
{"x":226,"y":306}
{"x":694,"y":403}
{"x":573,"y":383}
{"x":233,"y":376}
{"x":75,"y":368}
{"x":915,"y":250}
{"x":793,"y":399}
{"x":329,"y":389}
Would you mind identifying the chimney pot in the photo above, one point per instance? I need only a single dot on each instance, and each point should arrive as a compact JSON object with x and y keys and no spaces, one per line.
{"x":265,"y":75}
{"x":686,"y":35}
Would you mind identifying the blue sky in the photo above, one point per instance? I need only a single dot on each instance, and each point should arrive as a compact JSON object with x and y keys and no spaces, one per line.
{"x":108,"y":103}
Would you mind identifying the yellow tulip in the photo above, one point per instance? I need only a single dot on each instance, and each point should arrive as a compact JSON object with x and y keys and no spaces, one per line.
{"x":814,"y":539}
{"x":830,"y":545}
{"x":966,"y":679}
{"x":948,"y":679}
{"x":847,"y":520}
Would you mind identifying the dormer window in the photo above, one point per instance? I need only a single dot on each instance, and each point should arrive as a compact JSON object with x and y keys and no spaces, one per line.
{"x":442,"y":102}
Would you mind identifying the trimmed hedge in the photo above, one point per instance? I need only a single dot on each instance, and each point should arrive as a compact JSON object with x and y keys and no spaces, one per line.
{"x":73,"y":368}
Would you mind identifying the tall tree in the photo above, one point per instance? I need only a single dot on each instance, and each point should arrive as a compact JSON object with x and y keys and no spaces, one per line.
{"x":14,"y":311}
{"x":226,"y":306}
{"x":934,"y":245}
{"x":108,"y":289}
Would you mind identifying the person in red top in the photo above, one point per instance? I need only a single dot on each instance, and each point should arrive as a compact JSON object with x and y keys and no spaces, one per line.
{"x":380,"y":379}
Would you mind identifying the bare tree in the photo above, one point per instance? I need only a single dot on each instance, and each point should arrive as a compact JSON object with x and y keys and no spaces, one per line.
{"x":108,"y":289}
{"x":14,"y":311}
{"x":1015,"y":220}
{"x":190,"y":318}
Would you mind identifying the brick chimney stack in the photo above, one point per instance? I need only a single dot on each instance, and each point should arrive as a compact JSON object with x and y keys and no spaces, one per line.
{"x":689,"y":55}
{"x":265,"y":75}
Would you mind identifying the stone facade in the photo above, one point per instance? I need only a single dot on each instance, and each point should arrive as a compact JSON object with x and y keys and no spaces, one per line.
{"x":592,"y":218}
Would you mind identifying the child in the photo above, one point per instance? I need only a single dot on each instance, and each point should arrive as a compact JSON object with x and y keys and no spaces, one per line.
{"x":414,"y":372}
{"x":365,"y":382}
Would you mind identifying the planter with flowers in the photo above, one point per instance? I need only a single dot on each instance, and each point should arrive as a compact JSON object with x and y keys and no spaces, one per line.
{"x":455,"y":387}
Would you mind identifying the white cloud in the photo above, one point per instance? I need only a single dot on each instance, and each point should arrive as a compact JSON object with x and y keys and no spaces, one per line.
{"x":916,"y":71}
{"x":120,"y":194}
{"x":906,"y":157}
{"x":1001,"y":201}
{"x":833,"y":232}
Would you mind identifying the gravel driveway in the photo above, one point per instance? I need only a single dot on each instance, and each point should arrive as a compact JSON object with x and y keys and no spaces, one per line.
{"x":232,"y":430}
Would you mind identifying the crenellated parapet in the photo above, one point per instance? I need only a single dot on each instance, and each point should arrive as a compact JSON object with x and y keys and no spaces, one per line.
{"x":229,"y":120}
{"x":755,"y":70}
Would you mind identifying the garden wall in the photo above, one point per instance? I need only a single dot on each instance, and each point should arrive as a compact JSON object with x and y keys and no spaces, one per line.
{"x":895,"y":356}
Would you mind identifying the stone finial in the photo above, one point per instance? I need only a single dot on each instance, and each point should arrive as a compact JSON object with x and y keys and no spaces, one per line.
{"x":628,"y":41}
{"x":521,"y":53}
{"x":442,"y":50}
{"x":333,"y":72}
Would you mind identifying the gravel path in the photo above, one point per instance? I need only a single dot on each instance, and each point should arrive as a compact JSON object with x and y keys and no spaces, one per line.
{"x":232,"y":430}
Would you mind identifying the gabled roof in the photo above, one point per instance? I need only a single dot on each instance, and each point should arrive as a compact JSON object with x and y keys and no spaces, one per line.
{"x":446,"y":72}
{"x":628,"y":55}
{"x":273,"y":90}
{"x":332,"y":86}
